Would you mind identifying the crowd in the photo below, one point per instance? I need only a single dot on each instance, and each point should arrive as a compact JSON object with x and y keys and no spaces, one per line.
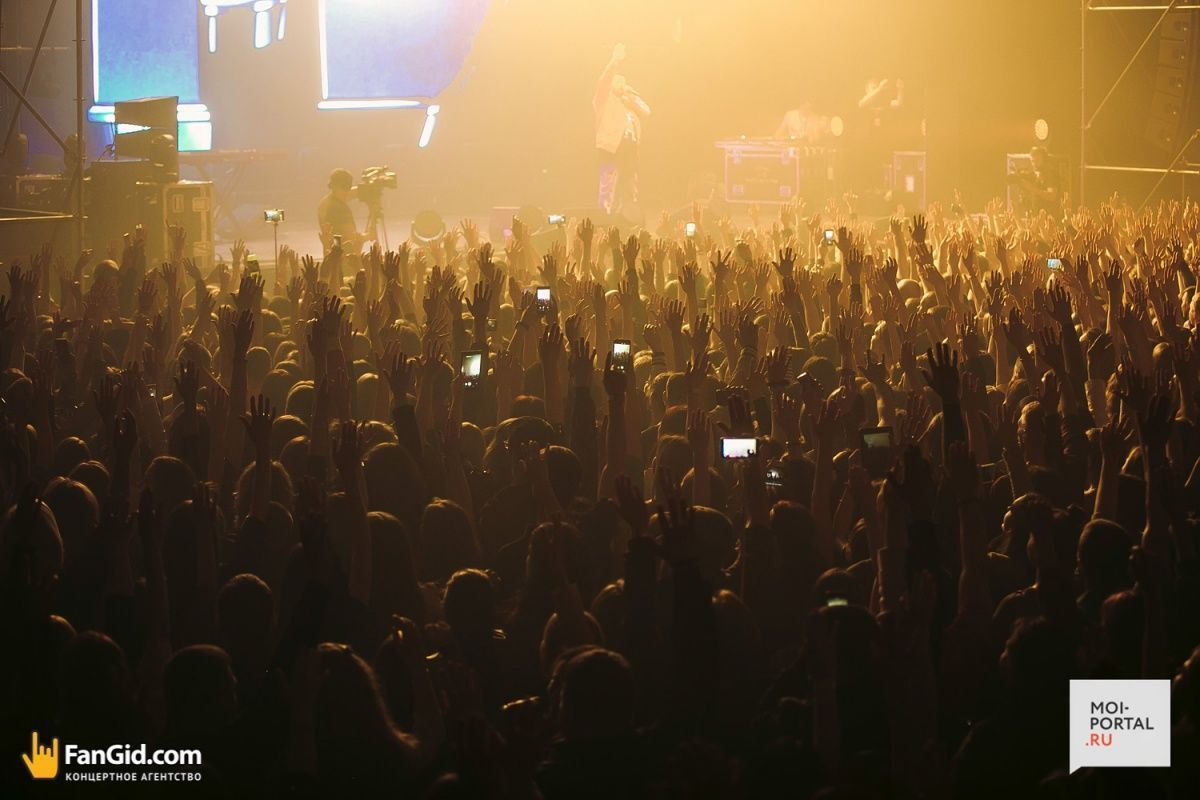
{"x":276,"y":524}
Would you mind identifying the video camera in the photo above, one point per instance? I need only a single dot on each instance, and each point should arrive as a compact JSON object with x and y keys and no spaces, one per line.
{"x":371,"y":184}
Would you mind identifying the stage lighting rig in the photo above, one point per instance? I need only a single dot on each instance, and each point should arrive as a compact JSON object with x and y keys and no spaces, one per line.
{"x":262,"y":19}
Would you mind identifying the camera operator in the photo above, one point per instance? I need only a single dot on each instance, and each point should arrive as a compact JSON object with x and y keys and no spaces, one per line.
{"x":334,"y":215}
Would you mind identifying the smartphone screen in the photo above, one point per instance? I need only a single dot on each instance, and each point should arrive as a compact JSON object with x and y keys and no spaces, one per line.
{"x":832,"y":602}
{"x":732,"y":448}
{"x":472,"y":363}
{"x":829,"y":235}
{"x":1054,"y":263}
{"x":543,"y":298}
{"x":877,"y":455}
{"x":622,"y":351}
{"x":875,"y":438}
{"x":690,"y":230}
{"x":775,"y":478}
{"x":555,"y":219}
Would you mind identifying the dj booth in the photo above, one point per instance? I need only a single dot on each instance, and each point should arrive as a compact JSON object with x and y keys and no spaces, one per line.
{"x":776,"y":171}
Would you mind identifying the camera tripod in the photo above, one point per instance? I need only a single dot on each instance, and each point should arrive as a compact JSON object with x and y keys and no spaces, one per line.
{"x":376,"y":223}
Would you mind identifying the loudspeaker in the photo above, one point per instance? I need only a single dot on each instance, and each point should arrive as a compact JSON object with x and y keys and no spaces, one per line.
{"x":111,"y":199}
{"x":1174,"y":109}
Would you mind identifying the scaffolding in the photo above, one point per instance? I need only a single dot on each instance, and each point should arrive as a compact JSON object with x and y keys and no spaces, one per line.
{"x":74,"y":192}
{"x":1088,"y":117}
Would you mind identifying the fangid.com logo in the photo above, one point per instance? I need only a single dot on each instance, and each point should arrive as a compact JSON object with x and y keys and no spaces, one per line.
{"x":1120,"y":723}
{"x":131,"y":762}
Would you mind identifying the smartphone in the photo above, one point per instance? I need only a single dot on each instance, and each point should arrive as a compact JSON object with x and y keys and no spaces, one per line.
{"x":555,"y":219}
{"x":877,"y":450}
{"x":689,"y":230}
{"x":252,"y":267}
{"x":273,"y":215}
{"x":775,"y":477}
{"x":834,"y":602}
{"x":543,"y":298}
{"x":153,"y":391}
{"x":491,"y":324}
{"x":734,"y":448}
{"x":472,"y":363}
{"x":337,"y":240}
{"x":1054,"y":263}
{"x":622,"y":355}
{"x":829,"y":234}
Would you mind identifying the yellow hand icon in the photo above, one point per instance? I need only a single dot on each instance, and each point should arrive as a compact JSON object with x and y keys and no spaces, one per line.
{"x":42,"y":761}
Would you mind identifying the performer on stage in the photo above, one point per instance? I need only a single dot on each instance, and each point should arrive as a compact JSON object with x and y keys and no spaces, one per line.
{"x":875,"y":135}
{"x":1039,"y":188}
{"x":882,"y":95}
{"x":619,"y":113}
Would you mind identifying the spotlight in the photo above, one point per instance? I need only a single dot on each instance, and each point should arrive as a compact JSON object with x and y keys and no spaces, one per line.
{"x":428,"y":226}
{"x":1041,"y":130}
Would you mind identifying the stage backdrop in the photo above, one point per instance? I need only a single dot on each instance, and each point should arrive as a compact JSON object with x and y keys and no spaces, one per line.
{"x":513,"y":80}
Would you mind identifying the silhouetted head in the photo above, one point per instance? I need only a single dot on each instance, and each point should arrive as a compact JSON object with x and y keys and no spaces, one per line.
{"x":469,"y":604}
{"x":200,"y":691}
{"x":592,"y":691}
{"x":246,"y":619}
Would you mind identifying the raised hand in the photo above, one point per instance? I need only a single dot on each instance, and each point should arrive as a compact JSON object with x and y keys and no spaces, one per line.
{"x":785,"y":265}
{"x":942,"y":375}
{"x":581,"y":364}
{"x":1049,"y":348}
{"x":1113,"y":283}
{"x":550,"y":347}
{"x":630,"y":252}
{"x":1101,"y":358}
{"x":615,"y":381}
{"x":918,"y":229}
{"x":775,"y":366}
{"x":676,"y":521}
{"x":146,"y":295}
{"x":258,"y":424}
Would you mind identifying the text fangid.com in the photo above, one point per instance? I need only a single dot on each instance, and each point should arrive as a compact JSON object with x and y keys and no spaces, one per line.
{"x":115,"y":763}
